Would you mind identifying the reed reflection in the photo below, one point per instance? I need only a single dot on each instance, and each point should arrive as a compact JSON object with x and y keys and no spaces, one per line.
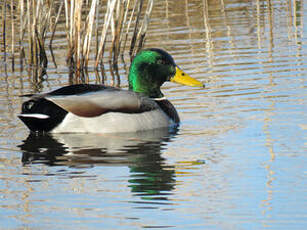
{"x":141,"y":152}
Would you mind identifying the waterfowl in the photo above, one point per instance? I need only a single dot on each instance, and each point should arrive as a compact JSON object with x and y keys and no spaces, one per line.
{"x":89,"y":108}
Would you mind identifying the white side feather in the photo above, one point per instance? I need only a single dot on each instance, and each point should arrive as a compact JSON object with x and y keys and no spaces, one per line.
{"x":113,"y":122}
{"x":35,"y":115}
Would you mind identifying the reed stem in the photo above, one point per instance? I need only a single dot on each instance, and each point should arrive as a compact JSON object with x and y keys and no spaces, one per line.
{"x":4,"y":30}
{"x":13,"y":35}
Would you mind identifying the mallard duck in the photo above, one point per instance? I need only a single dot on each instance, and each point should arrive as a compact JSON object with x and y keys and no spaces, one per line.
{"x":89,"y":108}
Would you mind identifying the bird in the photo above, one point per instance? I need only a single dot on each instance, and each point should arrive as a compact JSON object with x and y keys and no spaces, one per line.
{"x":93,"y":108}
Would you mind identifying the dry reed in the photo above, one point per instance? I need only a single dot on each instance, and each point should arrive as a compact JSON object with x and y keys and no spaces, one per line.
{"x":82,"y":23}
{"x":53,"y":32}
{"x":13,"y":35}
{"x":80,"y":32}
{"x":4,"y":30}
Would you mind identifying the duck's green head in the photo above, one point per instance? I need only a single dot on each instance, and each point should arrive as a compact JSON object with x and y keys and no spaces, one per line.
{"x":151,"y":68}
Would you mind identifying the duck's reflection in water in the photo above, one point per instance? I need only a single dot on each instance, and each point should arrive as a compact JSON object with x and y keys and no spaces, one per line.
{"x":141,"y":152}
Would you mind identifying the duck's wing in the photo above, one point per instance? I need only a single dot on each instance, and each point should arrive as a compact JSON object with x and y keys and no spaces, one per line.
{"x":95,"y":101}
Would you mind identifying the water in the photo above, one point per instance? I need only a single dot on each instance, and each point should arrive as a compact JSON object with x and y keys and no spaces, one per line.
{"x":238,"y":160}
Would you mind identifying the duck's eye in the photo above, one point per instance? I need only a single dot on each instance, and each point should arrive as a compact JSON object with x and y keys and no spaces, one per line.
{"x":182,"y":74}
{"x":160,"y":62}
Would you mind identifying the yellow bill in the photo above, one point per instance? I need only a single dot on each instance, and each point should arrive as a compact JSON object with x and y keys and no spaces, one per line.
{"x":184,"y":79}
